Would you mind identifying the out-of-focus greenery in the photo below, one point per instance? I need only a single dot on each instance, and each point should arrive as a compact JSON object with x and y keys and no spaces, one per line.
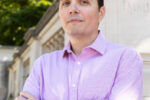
{"x":17,"y":16}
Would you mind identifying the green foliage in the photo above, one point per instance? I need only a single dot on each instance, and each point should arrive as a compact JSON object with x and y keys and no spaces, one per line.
{"x":17,"y":16}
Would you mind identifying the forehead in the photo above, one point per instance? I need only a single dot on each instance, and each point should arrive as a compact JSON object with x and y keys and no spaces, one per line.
{"x":94,"y":1}
{"x":91,"y":3}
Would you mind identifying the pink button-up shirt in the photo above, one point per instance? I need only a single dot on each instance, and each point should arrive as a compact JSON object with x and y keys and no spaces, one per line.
{"x":103,"y":71}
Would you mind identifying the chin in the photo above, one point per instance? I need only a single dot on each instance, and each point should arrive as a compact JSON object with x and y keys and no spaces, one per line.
{"x":74,"y":32}
{"x":76,"y":35}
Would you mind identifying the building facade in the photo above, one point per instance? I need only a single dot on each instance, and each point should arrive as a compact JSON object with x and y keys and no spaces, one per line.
{"x":6,"y":56}
{"x":126,"y":22}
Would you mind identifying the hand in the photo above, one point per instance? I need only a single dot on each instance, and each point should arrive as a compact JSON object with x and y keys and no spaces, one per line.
{"x":25,"y":96}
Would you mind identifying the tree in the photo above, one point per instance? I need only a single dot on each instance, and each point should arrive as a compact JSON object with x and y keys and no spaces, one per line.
{"x":17,"y":16}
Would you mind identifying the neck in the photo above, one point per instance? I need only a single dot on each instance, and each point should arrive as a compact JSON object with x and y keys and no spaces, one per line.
{"x":79,"y":43}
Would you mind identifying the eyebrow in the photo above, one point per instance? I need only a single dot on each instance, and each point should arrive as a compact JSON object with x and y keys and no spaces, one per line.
{"x":61,"y":0}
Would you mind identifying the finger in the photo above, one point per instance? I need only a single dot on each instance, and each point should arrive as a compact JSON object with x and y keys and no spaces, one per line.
{"x":27,"y":95}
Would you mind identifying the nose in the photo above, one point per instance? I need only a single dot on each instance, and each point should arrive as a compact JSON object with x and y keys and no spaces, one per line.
{"x":74,"y":9}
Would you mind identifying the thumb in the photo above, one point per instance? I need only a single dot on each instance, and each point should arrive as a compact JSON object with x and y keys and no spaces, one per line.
{"x":27,"y":95}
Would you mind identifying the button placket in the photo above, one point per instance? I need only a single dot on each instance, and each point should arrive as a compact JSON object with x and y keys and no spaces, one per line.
{"x":74,"y":80}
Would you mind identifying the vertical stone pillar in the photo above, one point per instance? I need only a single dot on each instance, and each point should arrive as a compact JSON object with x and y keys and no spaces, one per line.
{"x":12,"y":82}
{"x":110,"y":23}
{"x":35,"y":51}
{"x":19,"y":71}
{"x":3,"y":80}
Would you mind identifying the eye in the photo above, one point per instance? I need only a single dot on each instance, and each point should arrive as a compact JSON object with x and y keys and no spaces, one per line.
{"x":66,"y":3}
{"x":84,"y":2}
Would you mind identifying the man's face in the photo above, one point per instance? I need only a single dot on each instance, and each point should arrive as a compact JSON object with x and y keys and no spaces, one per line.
{"x":79,"y":17}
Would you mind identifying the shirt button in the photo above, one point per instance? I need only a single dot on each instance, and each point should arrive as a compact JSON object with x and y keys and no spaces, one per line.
{"x":78,"y":62}
{"x":74,"y":85}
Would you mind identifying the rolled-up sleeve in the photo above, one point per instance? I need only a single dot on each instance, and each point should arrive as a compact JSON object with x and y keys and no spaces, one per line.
{"x":129,"y":79}
{"x":32,"y":83}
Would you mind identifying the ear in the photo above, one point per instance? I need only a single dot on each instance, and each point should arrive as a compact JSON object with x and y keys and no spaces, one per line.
{"x":102,"y":13}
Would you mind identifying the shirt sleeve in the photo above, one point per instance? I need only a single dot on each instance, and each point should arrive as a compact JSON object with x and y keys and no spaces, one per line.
{"x":32,"y":83}
{"x":128,"y":81}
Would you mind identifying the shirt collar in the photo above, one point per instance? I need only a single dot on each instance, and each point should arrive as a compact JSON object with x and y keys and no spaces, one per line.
{"x":98,"y":45}
{"x":67,"y":49}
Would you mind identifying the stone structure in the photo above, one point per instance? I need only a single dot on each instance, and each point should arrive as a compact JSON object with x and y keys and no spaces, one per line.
{"x":126,"y":22}
{"x":6,"y":53}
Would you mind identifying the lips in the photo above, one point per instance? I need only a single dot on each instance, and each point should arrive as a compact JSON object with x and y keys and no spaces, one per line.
{"x":74,"y":21}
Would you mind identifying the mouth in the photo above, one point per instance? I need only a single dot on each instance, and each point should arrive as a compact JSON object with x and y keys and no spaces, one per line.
{"x":74,"y":21}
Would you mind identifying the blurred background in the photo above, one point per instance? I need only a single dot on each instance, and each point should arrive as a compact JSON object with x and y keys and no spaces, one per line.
{"x":30,"y":28}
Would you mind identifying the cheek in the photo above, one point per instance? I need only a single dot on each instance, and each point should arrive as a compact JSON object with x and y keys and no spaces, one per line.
{"x":92,"y":18}
{"x":63,"y":17}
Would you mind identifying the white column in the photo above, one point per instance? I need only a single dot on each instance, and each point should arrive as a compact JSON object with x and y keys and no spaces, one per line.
{"x":9,"y":84}
{"x":19,"y":71}
{"x":146,"y":74}
{"x":110,"y":23}
{"x":35,"y":51}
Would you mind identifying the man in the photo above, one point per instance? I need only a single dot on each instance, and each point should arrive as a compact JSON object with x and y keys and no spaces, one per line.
{"x":89,"y":67}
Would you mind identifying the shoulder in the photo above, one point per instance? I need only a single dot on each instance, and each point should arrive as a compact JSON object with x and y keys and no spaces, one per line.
{"x":125,"y":52}
{"x":131,"y":56}
{"x":129,"y":60}
{"x":124,"y":49}
{"x":53,"y":54}
{"x":115,"y":47}
{"x":49,"y":57}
